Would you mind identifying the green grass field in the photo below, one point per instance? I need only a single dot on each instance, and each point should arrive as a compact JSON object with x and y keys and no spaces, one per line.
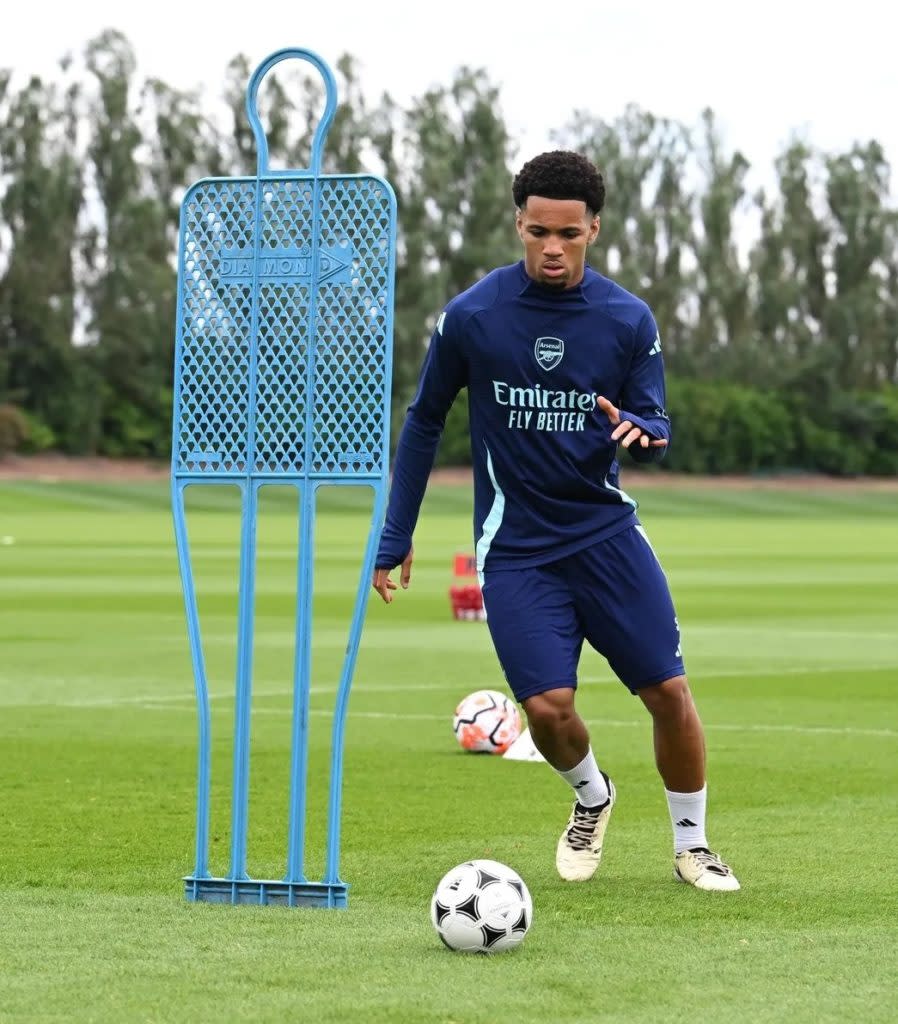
{"x":788,"y":602}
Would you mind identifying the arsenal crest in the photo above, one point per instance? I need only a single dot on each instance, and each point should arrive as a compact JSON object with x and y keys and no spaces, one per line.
{"x":548,"y":352}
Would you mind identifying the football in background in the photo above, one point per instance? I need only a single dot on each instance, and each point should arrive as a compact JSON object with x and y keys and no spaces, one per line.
{"x":486,"y":722}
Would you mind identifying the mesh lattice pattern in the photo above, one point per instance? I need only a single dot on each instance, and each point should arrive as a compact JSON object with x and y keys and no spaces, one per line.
{"x":282,"y":361}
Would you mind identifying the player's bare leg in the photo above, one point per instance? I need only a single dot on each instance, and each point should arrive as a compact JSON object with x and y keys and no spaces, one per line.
{"x":558,"y":731}
{"x":678,"y":733}
{"x":561,"y":737}
{"x":680,"y":757}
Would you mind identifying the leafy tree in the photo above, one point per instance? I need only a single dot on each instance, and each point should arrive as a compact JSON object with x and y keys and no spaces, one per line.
{"x":132,"y":286}
{"x":40,"y":209}
{"x":789,"y":264}
{"x":724,"y":325}
{"x":858,"y":319}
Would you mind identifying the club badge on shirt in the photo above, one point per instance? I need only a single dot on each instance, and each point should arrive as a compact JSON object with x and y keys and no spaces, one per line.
{"x":548,"y":352}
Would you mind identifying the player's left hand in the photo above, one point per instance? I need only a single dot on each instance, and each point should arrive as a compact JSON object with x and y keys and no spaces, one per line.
{"x":624,"y":431}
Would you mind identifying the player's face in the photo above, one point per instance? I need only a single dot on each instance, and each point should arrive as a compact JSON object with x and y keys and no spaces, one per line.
{"x":556,"y":233}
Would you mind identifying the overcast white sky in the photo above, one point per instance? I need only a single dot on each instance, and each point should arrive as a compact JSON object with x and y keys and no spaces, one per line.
{"x":769,"y":69}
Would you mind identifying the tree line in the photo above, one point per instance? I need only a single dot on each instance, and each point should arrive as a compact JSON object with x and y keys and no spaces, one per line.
{"x":778,"y":306}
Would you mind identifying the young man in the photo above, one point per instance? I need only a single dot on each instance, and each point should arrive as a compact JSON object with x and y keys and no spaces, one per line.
{"x":562,"y":365}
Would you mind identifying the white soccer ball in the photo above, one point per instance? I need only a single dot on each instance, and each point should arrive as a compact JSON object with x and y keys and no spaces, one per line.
{"x":486,"y":721}
{"x":481,"y":906}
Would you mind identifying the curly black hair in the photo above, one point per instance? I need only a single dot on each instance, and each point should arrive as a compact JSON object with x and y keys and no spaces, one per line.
{"x":560,"y":174}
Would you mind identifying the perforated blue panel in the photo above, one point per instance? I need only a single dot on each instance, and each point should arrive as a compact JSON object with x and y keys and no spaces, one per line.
{"x":283,"y":323}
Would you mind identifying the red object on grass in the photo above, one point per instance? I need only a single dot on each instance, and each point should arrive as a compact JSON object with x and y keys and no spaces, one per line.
{"x":467,"y":601}
{"x":466,"y":598}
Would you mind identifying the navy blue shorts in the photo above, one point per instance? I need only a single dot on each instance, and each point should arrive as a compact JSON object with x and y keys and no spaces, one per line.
{"x":614,"y":595}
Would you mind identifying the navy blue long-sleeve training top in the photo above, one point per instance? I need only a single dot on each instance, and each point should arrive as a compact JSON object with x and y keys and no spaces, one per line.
{"x":534,"y":359}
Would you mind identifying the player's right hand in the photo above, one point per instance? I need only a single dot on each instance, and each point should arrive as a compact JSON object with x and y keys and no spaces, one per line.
{"x":385,"y":586}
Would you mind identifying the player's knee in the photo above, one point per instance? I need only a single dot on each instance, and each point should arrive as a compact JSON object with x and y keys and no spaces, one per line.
{"x":670,"y":699}
{"x":549,"y":712}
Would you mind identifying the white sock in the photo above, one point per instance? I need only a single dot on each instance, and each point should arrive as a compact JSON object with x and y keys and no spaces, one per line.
{"x":587,"y":782}
{"x":687,"y":815}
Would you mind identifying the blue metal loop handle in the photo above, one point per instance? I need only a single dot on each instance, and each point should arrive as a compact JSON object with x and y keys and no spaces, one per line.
{"x":252,"y":109}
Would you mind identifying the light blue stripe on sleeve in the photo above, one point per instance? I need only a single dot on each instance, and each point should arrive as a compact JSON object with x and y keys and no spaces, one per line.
{"x":493,"y":520}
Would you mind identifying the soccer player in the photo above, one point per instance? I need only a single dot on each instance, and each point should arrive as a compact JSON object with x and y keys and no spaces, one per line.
{"x":562,"y":366}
